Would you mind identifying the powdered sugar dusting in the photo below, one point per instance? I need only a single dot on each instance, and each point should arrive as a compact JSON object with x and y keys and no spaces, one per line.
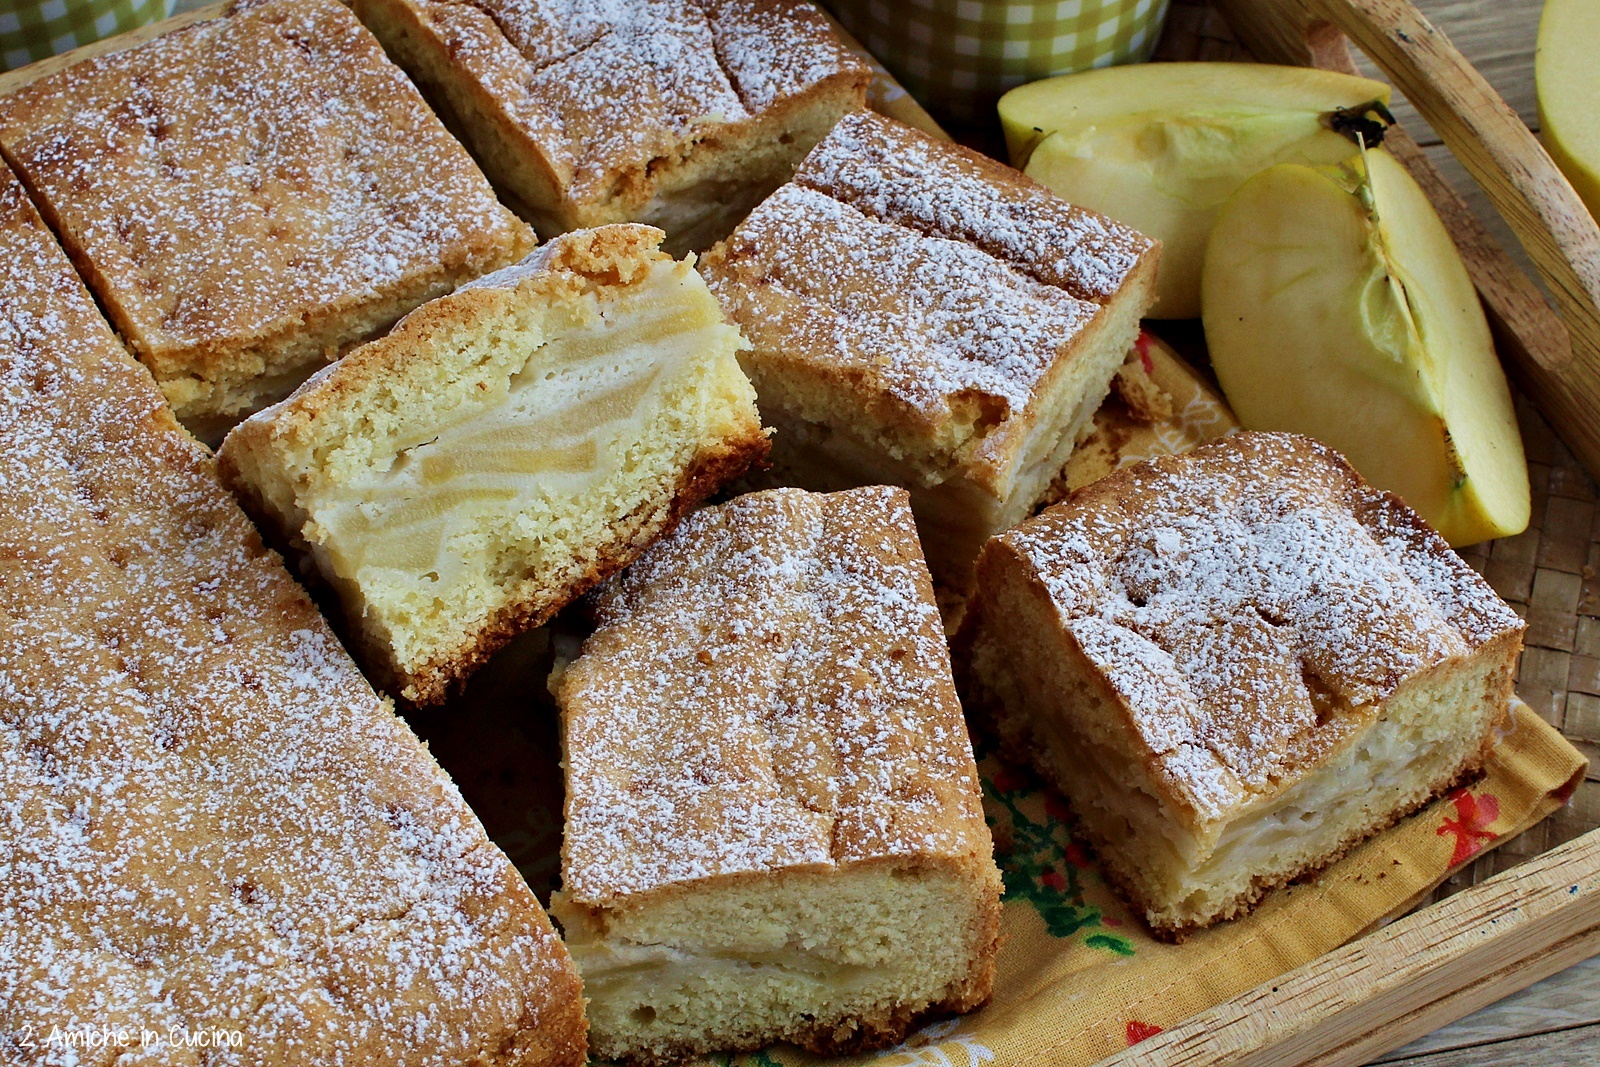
{"x":769,"y":687}
{"x":903,"y":176}
{"x":1251,"y":601}
{"x":615,"y":85}
{"x":210,"y":818}
{"x":775,"y":50}
{"x":250,"y":175}
{"x":955,"y":323}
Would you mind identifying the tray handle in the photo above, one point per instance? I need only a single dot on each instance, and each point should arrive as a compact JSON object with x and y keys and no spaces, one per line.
{"x":1499,"y":151}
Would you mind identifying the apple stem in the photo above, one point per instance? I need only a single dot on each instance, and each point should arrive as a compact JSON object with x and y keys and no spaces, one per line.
{"x":1357,"y":124}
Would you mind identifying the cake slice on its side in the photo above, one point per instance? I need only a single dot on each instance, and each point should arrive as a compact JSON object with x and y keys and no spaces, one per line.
{"x":774,"y":829}
{"x":213,"y":825}
{"x":1237,"y":663}
{"x":681,"y":114}
{"x":252,"y":194}
{"x":925,"y":317}
{"x":503,"y":448}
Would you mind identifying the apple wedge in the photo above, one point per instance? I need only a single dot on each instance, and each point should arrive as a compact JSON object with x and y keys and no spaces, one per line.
{"x":1336,"y":305}
{"x":1160,"y":146}
{"x":1567,"y":80}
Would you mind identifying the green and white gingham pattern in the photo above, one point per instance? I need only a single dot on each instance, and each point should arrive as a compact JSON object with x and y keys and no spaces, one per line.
{"x":31,"y":29}
{"x":958,"y":56}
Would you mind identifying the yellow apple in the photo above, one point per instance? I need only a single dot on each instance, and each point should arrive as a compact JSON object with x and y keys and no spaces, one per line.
{"x":1160,"y":146}
{"x":1336,"y":305}
{"x":1567,"y":79}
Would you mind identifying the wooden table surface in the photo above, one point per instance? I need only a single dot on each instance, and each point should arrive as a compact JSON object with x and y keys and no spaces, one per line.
{"x":1555,"y":1023}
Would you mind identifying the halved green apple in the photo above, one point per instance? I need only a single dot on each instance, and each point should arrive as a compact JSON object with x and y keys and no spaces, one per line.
{"x":1567,"y":80}
{"x":1160,"y":146}
{"x":1336,"y":305}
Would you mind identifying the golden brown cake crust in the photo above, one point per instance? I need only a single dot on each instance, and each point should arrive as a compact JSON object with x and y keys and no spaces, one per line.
{"x":996,"y":286}
{"x":768,"y":692}
{"x":897,"y":174}
{"x":250,"y":194}
{"x":784,"y":656}
{"x":1260,"y":623}
{"x":584,"y":113}
{"x":229,"y":829}
{"x":958,"y":336}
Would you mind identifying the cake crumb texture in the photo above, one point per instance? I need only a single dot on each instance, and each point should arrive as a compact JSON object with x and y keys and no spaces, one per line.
{"x":502,"y":449}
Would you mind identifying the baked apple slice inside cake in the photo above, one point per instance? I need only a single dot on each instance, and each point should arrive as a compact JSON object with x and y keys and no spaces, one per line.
{"x":503,"y":449}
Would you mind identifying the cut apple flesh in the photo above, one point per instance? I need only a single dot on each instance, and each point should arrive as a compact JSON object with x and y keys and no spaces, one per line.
{"x":569,"y":428}
{"x":1336,"y":306}
{"x":1567,"y":79}
{"x":1160,"y":146}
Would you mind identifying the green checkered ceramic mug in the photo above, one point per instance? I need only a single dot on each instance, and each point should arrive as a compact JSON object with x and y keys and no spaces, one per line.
{"x":38,"y":29}
{"x":958,"y":56}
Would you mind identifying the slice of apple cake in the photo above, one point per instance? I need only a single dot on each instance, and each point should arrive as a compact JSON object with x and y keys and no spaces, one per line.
{"x":925,"y":317}
{"x":250,"y":196}
{"x":1236,"y":663}
{"x":503,"y":449}
{"x":774,"y":829}
{"x":681,"y":114}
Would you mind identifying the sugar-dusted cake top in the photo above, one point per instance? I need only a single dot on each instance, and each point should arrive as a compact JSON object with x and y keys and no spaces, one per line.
{"x":248,"y":174}
{"x":923,"y":328}
{"x":767,"y":688}
{"x":205,"y":806}
{"x":891,"y":172}
{"x":913,"y":281}
{"x":606,"y":87}
{"x":1251,"y":602}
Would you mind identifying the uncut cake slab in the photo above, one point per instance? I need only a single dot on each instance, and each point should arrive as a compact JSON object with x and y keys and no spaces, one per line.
{"x":212,"y":824}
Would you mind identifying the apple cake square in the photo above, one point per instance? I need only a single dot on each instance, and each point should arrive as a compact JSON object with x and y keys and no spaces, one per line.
{"x":502,"y":449}
{"x":677,"y":113}
{"x":773,"y":827}
{"x":1236,"y":663}
{"x":250,"y":195}
{"x":924,"y":317}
